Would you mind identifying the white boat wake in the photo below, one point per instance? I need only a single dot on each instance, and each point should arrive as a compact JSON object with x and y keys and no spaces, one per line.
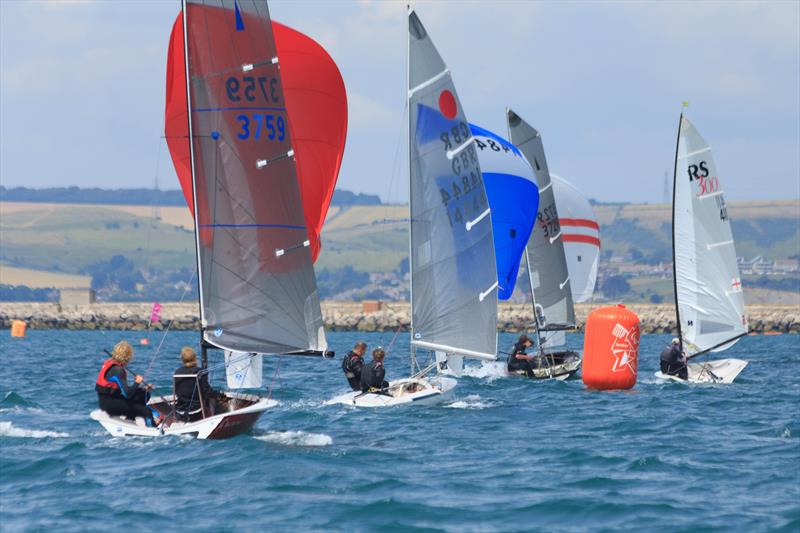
{"x":296,"y":438}
{"x":7,"y":429}
{"x":473,"y":401}
{"x":487,"y":370}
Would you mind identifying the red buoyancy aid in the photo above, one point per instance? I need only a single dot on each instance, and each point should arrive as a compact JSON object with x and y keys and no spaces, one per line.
{"x":101,"y":377}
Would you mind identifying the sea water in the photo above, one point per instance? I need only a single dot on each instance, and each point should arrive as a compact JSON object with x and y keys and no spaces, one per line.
{"x":505,"y":454}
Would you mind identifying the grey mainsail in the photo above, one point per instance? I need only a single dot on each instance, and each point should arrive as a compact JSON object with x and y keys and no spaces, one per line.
{"x":547,"y":263}
{"x":453,"y":272}
{"x":708,"y":287}
{"x":257,"y":284}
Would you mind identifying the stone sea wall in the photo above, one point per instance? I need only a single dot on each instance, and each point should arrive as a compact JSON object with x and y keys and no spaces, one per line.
{"x":349,"y":316}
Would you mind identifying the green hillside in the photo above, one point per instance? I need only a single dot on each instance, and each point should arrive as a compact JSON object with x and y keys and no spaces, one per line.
{"x":74,"y":239}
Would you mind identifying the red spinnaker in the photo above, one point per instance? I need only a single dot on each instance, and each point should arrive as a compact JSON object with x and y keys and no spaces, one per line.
{"x":316,"y":103}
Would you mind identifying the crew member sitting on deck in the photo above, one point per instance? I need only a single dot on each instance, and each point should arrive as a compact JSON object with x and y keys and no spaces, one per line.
{"x":372,"y":374}
{"x":518,"y":359}
{"x":115,"y":396}
{"x":352,"y":364}
{"x":673,"y":362}
{"x":193,"y":394}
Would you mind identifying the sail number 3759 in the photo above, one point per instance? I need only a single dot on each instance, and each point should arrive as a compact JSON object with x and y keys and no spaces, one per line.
{"x":256,"y":125}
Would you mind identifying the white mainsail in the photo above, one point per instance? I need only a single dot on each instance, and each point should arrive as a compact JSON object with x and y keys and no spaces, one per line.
{"x":453,"y":272}
{"x":708,"y":287}
{"x":581,"y":235}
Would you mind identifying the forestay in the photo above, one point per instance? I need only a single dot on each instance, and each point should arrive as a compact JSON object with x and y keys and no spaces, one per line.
{"x":513,"y":197}
{"x":581,"y":235}
{"x":453,"y":277}
{"x":547,"y":264}
{"x":258,"y":291}
{"x":708,"y":286}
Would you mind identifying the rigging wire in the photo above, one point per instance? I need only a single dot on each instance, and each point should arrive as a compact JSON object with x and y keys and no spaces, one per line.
{"x":169,"y":326}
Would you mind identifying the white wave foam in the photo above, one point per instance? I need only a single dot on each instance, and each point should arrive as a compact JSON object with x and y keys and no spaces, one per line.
{"x":304,"y":404}
{"x":297,"y":438}
{"x":486,"y":370}
{"x":7,"y":429}
{"x":473,"y":401}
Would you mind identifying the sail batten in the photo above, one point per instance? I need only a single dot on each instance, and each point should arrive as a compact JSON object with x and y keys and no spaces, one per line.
{"x":453,"y":304}
{"x":708,"y":288}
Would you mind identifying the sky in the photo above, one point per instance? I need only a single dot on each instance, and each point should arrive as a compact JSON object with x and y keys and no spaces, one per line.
{"x":82,"y":88}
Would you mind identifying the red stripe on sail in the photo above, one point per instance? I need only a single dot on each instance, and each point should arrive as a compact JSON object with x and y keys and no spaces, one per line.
{"x":582,"y":222}
{"x":585,"y":239}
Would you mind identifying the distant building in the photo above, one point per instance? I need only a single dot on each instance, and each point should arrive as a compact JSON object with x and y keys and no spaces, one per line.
{"x":786,"y":265}
{"x":75,"y":296}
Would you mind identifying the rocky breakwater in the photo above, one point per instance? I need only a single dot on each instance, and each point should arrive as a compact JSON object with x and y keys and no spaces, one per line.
{"x":123,"y":316}
{"x":351,"y":316}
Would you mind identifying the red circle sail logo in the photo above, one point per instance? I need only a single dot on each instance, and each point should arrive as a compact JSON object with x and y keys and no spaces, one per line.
{"x":447,"y":104}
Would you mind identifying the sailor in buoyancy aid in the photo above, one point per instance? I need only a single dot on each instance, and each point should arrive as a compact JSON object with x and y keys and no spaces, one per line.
{"x":352,"y":364}
{"x":518,"y":359}
{"x":115,"y":396}
{"x":372,"y":374}
{"x":673,"y":362}
{"x":193,"y":394}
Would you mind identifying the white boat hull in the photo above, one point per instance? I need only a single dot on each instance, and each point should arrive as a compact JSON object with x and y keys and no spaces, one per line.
{"x":220,"y":426}
{"x":429,"y":392}
{"x":722,"y":371}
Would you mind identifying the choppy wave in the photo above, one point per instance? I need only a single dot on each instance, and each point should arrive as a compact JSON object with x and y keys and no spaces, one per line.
{"x":486,"y":370}
{"x":16,"y":402}
{"x":571,"y":457}
{"x":473,"y":401}
{"x":8,"y":429}
{"x":296,"y":438}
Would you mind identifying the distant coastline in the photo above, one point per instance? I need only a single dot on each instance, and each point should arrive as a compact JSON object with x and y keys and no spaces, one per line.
{"x":139,"y":196}
{"x":349,"y":316}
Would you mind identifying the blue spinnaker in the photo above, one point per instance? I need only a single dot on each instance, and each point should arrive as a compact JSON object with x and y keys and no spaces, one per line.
{"x":514,"y":200}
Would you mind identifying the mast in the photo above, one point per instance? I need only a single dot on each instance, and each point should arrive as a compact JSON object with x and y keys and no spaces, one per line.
{"x":674,"y":259}
{"x":408,"y":131}
{"x":533,"y":302}
{"x":194,"y":184}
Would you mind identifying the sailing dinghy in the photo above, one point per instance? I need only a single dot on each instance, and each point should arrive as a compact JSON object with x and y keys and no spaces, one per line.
{"x":708,"y":289}
{"x":453,"y":286}
{"x":548,"y":275}
{"x":235,"y":151}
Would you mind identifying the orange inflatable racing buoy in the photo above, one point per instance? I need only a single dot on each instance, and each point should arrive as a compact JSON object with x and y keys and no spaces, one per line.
{"x":611,"y":348}
{"x":18,"y":328}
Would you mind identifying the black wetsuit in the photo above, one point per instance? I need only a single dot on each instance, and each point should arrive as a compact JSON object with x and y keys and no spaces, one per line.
{"x":672,"y":362}
{"x":515,"y":364}
{"x":125,"y":400}
{"x":351,"y":366}
{"x":190,"y":390}
{"x":372,"y":376}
